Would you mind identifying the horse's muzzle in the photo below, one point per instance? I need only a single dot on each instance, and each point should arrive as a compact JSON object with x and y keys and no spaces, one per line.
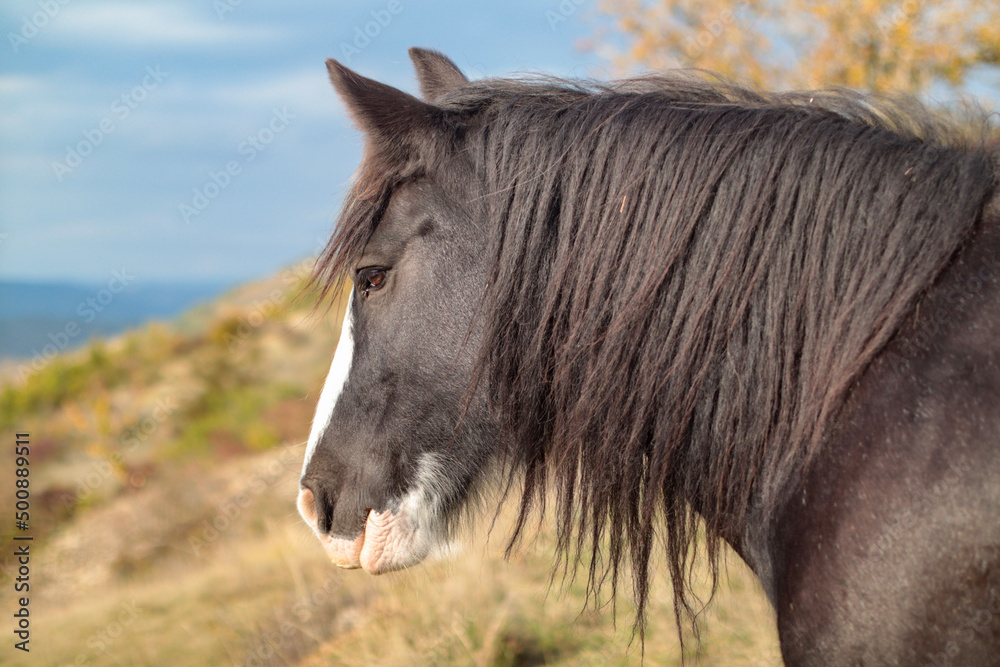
{"x":388,"y":542}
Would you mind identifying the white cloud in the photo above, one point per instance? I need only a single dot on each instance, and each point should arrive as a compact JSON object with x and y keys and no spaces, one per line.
{"x":145,"y":24}
{"x":306,"y":91}
{"x":14,"y":84}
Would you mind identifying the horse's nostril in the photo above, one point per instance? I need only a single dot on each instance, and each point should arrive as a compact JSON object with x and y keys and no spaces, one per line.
{"x":328,"y":512}
{"x":307,"y":506}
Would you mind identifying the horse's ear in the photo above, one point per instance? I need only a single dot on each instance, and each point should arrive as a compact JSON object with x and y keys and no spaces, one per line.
{"x":436,"y":73}
{"x":381,"y":111}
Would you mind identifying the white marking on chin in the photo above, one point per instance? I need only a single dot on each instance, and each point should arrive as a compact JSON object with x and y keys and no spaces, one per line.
{"x":398,"y":539}
{"x":424,"y":504}
{"x":334,"y":386}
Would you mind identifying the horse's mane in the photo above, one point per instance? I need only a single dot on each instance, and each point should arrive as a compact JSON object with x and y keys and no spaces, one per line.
{"x":686,"y":279}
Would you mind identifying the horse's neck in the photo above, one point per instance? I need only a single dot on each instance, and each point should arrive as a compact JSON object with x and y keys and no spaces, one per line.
{"x":972,"y":280}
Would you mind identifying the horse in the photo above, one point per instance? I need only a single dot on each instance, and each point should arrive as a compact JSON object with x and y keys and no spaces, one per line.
{"x":684,"y":313}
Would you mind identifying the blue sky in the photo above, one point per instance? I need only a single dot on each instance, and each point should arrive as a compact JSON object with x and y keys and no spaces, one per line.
{"x":118,"y":119}
{"x":114,"y":114}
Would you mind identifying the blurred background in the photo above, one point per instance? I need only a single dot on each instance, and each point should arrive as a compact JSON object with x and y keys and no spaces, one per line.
{"x":168,"y":171}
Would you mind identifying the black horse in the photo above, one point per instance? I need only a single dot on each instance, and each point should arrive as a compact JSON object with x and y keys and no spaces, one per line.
{"x":677,"y":303}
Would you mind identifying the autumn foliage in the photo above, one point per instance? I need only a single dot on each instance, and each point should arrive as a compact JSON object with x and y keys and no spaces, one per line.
{"x":876,"y":45}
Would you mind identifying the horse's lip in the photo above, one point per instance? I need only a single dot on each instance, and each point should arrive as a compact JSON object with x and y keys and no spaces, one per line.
{"x":343,"y":553}
{"x":388,"y":542}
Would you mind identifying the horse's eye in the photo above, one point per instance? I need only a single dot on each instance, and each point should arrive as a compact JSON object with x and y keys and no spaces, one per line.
{"x":371,"y":280}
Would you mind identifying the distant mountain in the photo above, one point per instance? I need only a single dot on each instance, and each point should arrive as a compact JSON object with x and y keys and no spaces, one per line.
{"x":64,"y":315}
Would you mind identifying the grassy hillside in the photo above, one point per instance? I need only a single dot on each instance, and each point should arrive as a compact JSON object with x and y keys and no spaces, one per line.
{"x":164,"y":473}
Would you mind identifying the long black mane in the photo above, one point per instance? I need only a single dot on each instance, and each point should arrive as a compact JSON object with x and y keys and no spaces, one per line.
{"x":687,"y":278}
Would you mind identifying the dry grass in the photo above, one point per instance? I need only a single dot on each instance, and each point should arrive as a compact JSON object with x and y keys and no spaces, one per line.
{"x":477,"y":609}
{"x":261,"y":593}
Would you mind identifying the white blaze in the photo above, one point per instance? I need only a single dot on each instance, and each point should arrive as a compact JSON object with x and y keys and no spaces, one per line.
{"x":334,"y":385}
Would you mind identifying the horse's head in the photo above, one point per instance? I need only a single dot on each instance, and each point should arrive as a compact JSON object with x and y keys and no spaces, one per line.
{"x":399,"y":440}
